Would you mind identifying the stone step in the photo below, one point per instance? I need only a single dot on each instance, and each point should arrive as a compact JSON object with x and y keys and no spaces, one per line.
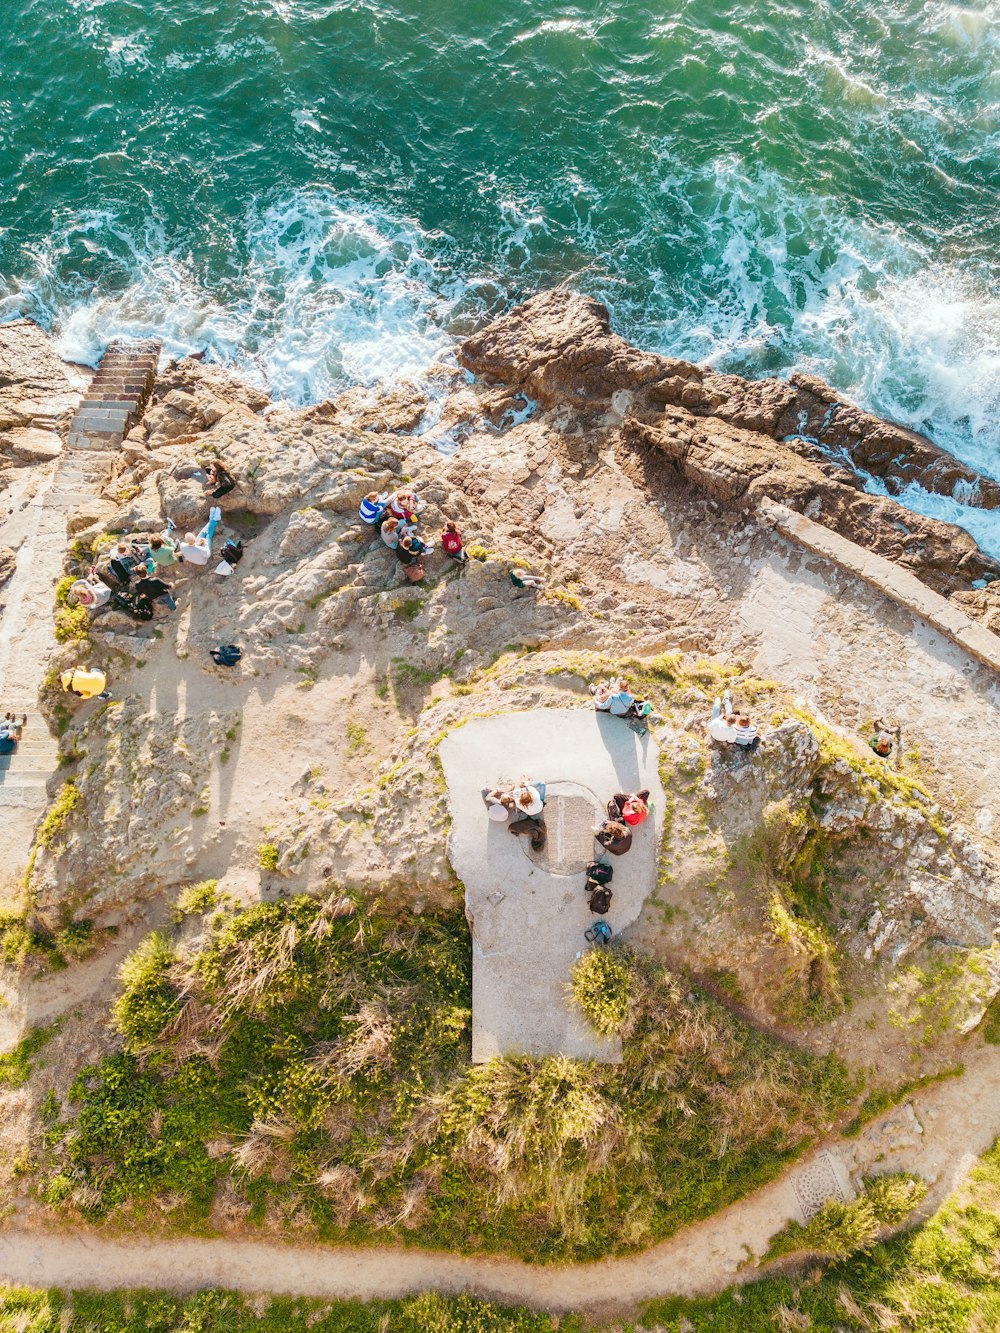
{"x":102,"y":417}
{"x":38,"y":775}
{"x":83,"y":439}
{"x":32,"y":796}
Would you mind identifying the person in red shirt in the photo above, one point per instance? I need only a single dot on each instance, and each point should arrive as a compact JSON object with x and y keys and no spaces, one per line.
{"x":451,"y":544}
{"x":630,"y":807}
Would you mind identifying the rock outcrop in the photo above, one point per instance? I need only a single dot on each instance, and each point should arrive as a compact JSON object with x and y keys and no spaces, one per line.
{"x":737,"y":439}
{"x":34,"y":385}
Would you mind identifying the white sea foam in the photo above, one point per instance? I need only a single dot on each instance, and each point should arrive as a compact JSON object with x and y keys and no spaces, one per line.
{"x":329,"y":293}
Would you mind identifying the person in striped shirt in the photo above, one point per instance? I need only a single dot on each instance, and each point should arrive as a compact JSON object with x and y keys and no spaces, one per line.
{"x":745,"y":734}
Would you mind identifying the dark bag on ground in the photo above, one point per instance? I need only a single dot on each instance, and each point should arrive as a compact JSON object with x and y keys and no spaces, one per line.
{"x":599,"y":933}
{"x":139,"y":608}
{"x":600,"y":900}
{"x":600,"y":872}
{"x":232,"y":552}
{"x":228,"y":655}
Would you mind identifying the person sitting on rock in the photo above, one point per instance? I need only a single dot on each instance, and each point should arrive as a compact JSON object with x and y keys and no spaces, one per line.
{"x":884,"y":738}
{"x":155,"y":590}
{"x":372,"y":508}
{"x":198,"y":550}
{"x":614,"y":836}
{"x":391,"y":533}
{"x":622,"y":703}
{"x":162,"y":551}
{"x":722,"y":724}
{"x":522,"y":579}
{"x":129,"y":554}
{"x":531,"y":828}
{"x":630,"y":807}
{"x":408,"y":553}
{"x":86,"y":683}
{"x":451,"y":544}
{"x":405,"y":506}
{"x":745,"y":734}
{"x":219,"y":481}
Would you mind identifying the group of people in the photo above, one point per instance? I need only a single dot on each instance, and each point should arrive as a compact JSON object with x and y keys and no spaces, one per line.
{"x":521,"y":806}
{"x":728,"y":726}
{"x":131,"y":578}
{"x":396,"y":516}
{"x":731,"y":728}
{"x":613,"y":696}
{"x":10,"y":731}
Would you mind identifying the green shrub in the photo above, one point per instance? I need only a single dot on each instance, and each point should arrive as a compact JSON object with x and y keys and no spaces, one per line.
{"x":72,"y":622}
{"x":201,"y":897}
{"x":839,"y":1229}
{"x":267,"y":856}
{"x":601,"y":984}
{"x":148,"y":1000}
{"x":15,"y":1066}
{"x":57,"y":814}
{"x":327,"y":1044}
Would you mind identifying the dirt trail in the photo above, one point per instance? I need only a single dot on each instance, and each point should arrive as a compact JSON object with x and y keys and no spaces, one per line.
{"x":959,"y":1120}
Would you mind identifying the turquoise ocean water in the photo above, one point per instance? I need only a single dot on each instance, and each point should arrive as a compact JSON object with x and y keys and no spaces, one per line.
{"x":332,"y":191}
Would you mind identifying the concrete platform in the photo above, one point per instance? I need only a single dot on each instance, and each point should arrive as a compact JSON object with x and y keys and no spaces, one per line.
{"x":528,"y":913}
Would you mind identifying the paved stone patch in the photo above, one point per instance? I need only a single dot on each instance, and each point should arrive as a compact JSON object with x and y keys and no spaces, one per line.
{"x":528,"y":914}
{"x":815,"y":1183}
{"x":569,"y":822}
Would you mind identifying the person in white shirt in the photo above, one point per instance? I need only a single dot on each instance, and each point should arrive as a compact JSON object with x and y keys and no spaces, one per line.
{"x":197,"y":550}
{"x":722,"y":724}
{"x":528,"y":801}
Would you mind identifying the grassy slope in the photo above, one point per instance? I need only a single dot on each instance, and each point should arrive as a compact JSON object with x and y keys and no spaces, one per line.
{"x":309,"y":1063}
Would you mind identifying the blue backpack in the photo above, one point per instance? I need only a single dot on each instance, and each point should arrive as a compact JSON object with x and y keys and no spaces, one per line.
{"x":599,"y":933}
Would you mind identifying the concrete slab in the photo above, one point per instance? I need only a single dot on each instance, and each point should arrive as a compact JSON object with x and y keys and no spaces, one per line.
{"x":528,"y":912}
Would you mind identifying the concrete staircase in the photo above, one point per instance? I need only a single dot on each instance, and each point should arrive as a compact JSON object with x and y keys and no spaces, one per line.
{"x":117,"y":395}
{"x":24,"y":773}
{"x":78,"y":475}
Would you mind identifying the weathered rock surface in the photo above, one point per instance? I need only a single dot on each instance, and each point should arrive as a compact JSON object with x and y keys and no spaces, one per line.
{"x":33,"y":383}
{"x":138,"y":798}
{"x":8,"y":563}
{"x":737,"y":439}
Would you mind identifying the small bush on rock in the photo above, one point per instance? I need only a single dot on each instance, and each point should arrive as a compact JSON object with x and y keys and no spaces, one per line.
{"x":267,"y":856}
{"x":601,"y":984}
{"x":839,"y":1229}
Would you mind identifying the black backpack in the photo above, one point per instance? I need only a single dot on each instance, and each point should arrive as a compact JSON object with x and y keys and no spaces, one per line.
{"x":600,"y":900}
{"x":139,"y":608}
{"x":232,"y":552}
{"x":228,"y":655}
{"x":600,"y":872}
